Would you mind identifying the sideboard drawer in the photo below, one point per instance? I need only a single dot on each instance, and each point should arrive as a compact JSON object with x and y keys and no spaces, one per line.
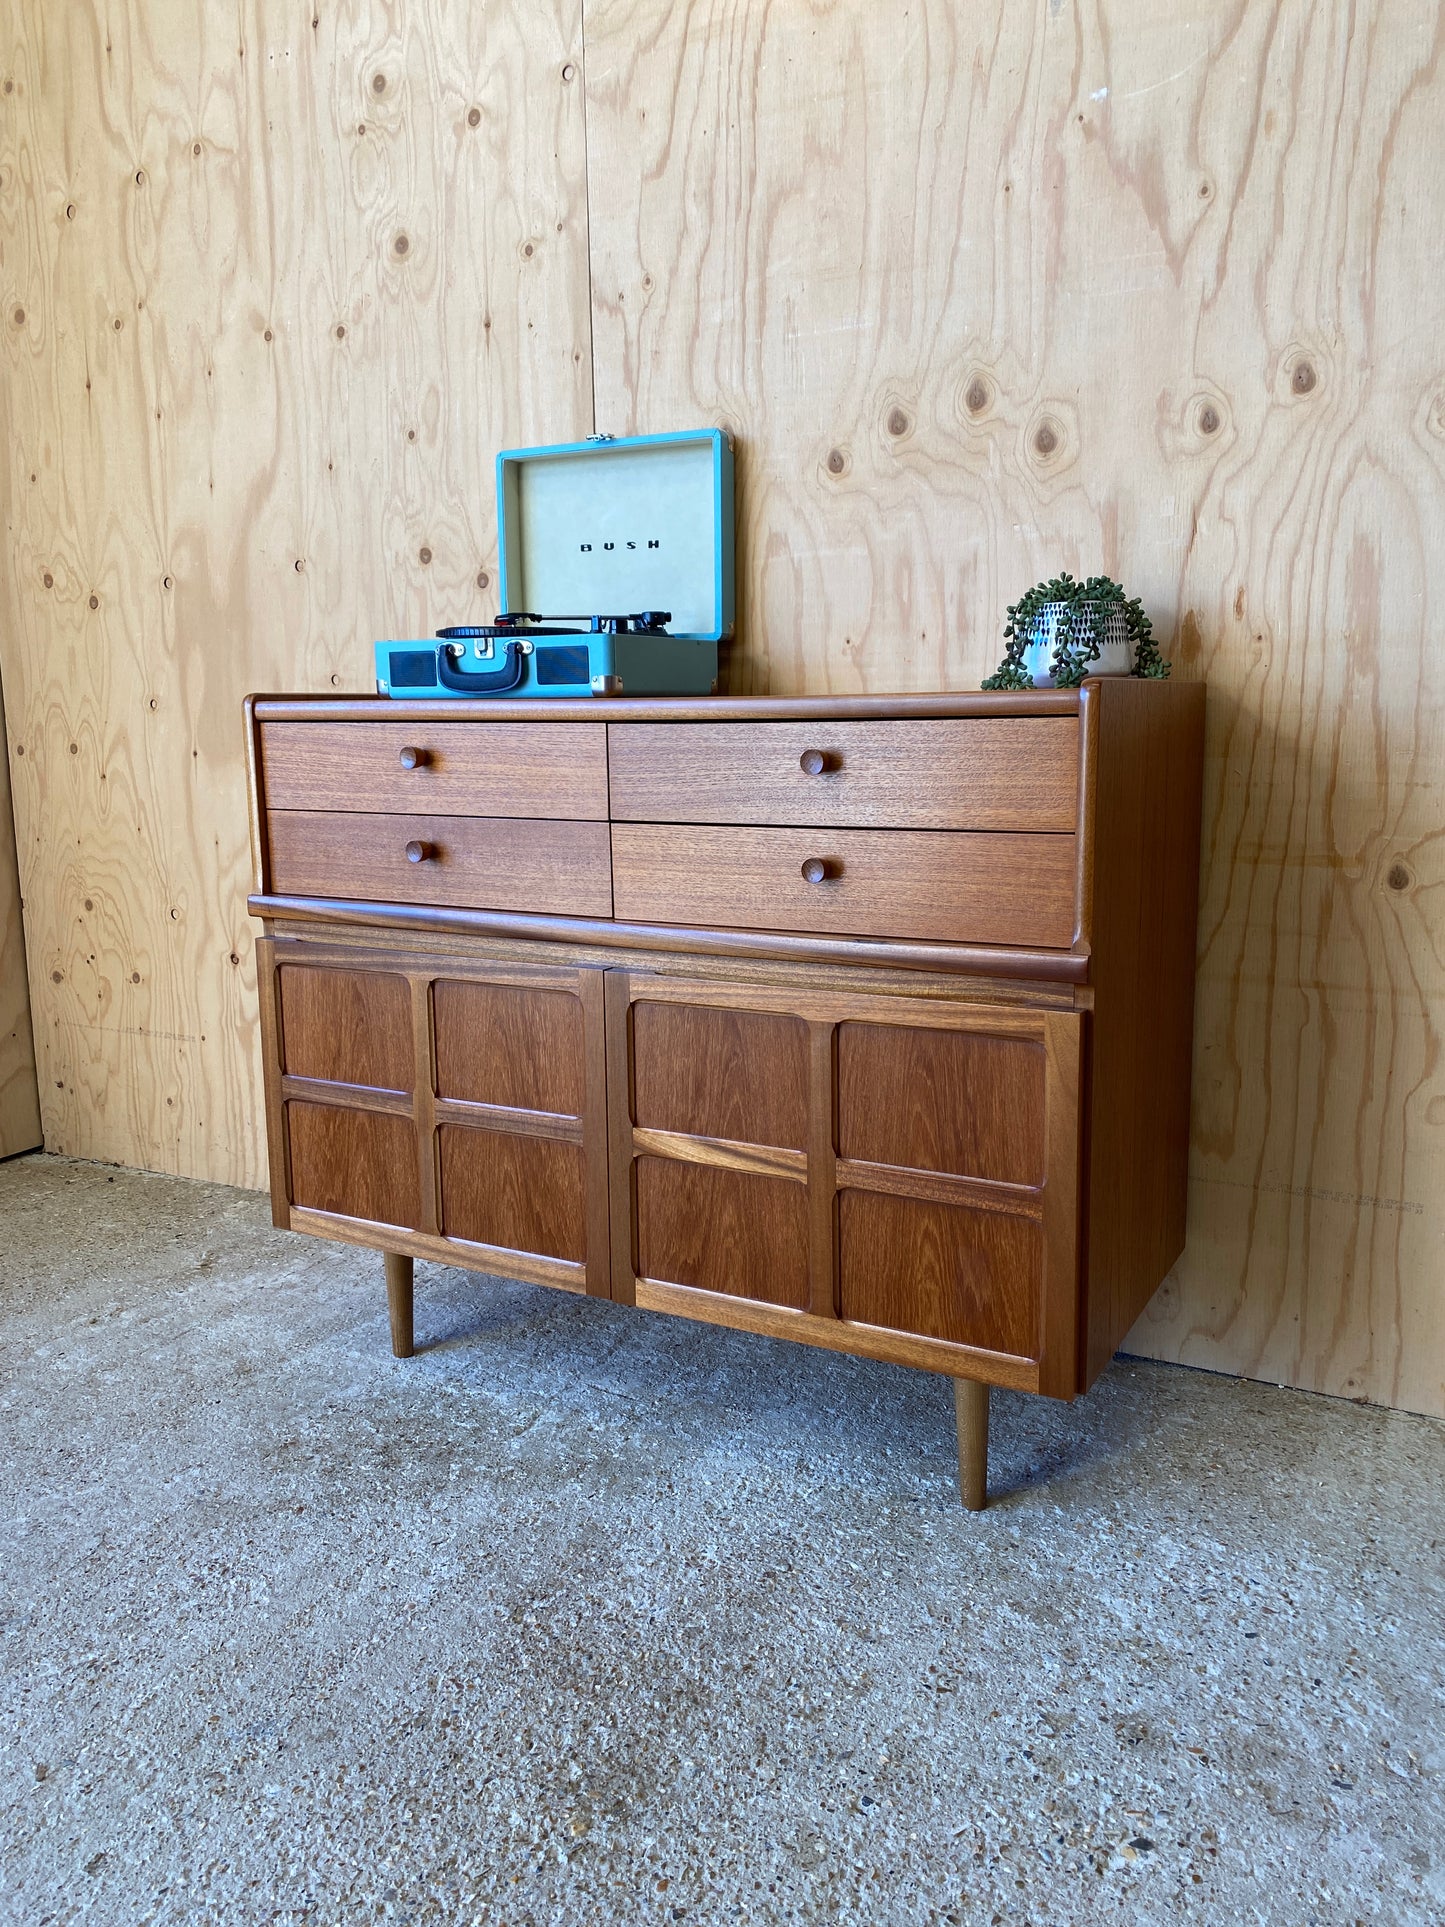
{"x":461,"y":862}
{"x":966,"y":773}
{"x":934,"y":886}
{"x":425,"y":769}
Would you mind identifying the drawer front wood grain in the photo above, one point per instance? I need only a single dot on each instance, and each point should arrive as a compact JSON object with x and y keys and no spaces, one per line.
{"x":930,"y":886}
{"x":433,"y":769}
{"x":970,"y":773}
{"x":472,"y":863}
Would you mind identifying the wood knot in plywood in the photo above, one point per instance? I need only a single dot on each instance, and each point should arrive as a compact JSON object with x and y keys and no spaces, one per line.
{"x":837,"y":461}
{"x":401,"y":245}
{"x":1398,"y":876}
{"x":474,"y":117}
{"x":1209,"y":419}
{"x":899,"y":422}
{"x":977,"y":395}
{"x":1303,"y":377}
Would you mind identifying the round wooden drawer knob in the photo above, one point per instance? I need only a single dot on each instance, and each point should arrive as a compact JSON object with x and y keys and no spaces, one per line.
{"x":420,"y":852}
{"x":415,"y":758}
{"x":813,"y":762}
{"x":818,"y":869}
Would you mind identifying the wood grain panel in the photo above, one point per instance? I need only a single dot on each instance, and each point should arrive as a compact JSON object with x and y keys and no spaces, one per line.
{"x":19,"y":1098}
{"x":723,"y":1231}
{"x":522,"y":1193}
{"x":941,"y":1100}
{"x":987,"y":291}
{"x":477,"y":863}
{"x":736,"y":1074}
{"x":460,"y":769}
{"x":934,"y":885}
{"x":358,"y":1163}
{"x":286,"y":287}
{"x":942,"y":1271}
{"x":1009,"y":774}
{"x":347,"y":1026}
{"x":509,"y":1044}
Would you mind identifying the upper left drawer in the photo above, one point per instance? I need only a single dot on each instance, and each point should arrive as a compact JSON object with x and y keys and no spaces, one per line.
{"x":521,"y":769}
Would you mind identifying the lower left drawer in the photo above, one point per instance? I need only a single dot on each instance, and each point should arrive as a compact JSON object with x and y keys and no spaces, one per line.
{"x":546,"y":867}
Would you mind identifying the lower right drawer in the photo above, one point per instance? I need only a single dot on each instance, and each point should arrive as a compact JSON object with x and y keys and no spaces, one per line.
{"x":934,"y":886}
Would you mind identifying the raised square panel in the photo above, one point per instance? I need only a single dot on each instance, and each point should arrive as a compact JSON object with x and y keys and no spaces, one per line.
{"x":509,"y":1044}
{"x":725,"y":1231}
{"x":522,"y":1193}
{"x":347,"y":1027}
{"x":721,"y":1073}
{"x":941,"y":1270}
{"x":942,"y":1100}
{"x":357,"y":1163}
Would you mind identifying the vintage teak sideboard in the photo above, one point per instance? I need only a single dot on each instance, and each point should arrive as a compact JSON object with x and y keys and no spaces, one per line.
{"x":864,"y":1021}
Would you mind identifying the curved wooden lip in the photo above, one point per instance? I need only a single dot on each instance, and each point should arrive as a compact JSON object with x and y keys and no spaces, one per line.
{"x":973,"y":960}
{"x":670,"y":709}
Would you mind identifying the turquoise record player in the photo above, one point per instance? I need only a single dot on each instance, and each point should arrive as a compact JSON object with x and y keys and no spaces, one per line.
{"x":616,"y":577}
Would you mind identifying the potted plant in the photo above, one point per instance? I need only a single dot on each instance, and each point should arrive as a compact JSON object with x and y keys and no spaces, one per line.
{"x":1063,"y":630}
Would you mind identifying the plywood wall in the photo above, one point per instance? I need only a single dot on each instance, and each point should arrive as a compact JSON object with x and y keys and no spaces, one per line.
{"x":277,"y":280}
{"x":982,"y":291}
{"x":19,"y":1099}
{"x":1146,"y":287}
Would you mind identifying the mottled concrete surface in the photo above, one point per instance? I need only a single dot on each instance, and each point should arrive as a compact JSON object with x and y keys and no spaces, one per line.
{"x":590,"y":1616}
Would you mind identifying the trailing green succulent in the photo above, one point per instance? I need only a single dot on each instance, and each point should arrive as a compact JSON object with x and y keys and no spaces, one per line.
{"x":1087,"y":610}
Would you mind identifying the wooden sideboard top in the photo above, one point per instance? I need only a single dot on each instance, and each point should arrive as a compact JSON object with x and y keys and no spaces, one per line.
{"x":686,"y":709}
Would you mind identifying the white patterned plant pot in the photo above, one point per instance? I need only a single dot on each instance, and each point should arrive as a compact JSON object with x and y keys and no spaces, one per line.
{"x":1115,"y":657}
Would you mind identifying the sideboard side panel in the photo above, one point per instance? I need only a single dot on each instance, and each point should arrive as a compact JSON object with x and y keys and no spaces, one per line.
{"x":1144,"y":839}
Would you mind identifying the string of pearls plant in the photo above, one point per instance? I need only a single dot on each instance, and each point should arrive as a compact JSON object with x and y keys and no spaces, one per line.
{"x":1076,"y":625}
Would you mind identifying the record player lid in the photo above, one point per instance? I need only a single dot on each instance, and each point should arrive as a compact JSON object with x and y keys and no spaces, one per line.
{"x":642,"y":522}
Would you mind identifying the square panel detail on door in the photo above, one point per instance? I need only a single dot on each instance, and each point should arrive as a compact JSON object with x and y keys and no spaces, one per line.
{"x":354,"y":1164}
{"x":719,"y":1073}
{"x":510,"y":1044}
{"x":957,"y":1101}
{"x":517,"y":1193}
{"x":346,"y":1026}
{"x":714,"y":1229}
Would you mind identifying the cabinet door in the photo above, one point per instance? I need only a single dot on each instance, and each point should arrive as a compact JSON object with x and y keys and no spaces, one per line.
{"x":439,"y":1107}
{"x":896,"y":1176}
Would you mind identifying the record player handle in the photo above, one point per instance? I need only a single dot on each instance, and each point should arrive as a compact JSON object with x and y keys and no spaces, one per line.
{"x":813,"y":762}
{"x":415,"y":758}
{"x":485,"y":682}
{"x":420,"y":852}
{"x":818,"y":869}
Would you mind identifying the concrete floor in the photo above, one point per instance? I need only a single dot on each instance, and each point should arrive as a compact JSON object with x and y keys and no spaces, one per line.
{"x":585,"y":1615}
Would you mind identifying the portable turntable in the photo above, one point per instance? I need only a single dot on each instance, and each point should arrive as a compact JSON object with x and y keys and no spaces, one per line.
{"x":642,"y":524}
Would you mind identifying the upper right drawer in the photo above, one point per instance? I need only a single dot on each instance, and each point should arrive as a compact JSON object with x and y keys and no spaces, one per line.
{"x":963,"y":773}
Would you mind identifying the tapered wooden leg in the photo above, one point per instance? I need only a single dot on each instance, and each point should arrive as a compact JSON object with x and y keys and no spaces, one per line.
{"x":970,"y":1401}
{"x":398,"y":1300}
